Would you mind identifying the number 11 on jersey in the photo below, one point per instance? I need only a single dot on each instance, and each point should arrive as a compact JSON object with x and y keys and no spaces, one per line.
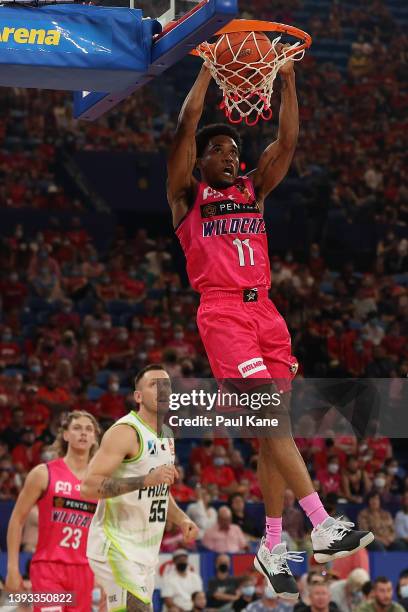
{"x":242,"y":253}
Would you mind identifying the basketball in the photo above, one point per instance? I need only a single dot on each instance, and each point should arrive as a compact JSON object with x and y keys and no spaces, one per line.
{"x":240,"y":48}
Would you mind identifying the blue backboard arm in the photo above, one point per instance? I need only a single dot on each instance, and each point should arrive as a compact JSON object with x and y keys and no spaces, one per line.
{"x":168,"y":50}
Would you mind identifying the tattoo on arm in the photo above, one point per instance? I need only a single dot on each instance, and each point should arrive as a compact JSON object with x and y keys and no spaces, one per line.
{"x":112,"y":487}
{"x":133,"y":604}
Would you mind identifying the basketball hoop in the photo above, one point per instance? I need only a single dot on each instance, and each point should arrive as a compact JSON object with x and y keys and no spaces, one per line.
{"x":248,"y":86}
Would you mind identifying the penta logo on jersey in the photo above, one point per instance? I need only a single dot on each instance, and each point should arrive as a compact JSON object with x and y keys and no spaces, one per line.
{"x":29,"y":36}
{"x":251,"y":366}
{"x":63,"y":487}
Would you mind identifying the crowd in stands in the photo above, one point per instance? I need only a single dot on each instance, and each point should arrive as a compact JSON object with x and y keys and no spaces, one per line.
{"x":320,"y":591}
{"x":76,"y":323}
{"x":350,"y":161}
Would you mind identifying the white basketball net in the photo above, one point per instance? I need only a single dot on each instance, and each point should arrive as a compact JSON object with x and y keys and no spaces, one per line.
{"x":252,"y":87}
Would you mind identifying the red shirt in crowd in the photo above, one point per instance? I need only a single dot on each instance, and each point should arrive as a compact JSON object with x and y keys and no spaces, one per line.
{"x":330,"y":483}
{"x":223,"y":476}
{"x":26,"y":457}
{"x":111,"y":405}
{"x":10,"y":353}
{"x":13,"y":294}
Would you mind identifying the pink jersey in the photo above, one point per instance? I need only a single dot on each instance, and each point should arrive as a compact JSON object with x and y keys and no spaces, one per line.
{"x":224,"y":240}
{"x":64,"y":518}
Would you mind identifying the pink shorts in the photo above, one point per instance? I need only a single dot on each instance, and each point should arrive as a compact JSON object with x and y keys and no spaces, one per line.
{"x":51,"y":577}
{"x":246,"y":339}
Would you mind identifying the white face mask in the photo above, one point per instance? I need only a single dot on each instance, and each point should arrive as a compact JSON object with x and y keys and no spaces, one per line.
{"x":333,"y":468}
{"x":379,"y":482}
{"x":393,"y":470}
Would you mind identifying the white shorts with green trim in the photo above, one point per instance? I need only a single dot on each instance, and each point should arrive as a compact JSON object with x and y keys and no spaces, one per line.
{"x":118,"y":576}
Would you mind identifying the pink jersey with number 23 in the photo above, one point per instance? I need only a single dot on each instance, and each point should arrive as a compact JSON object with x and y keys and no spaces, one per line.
{"x":63,"y":518}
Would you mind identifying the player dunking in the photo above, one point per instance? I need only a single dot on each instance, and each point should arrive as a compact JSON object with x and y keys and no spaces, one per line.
{"x":59,"y":564}
{"x":219,"y":222}
{"x":131,"y":474}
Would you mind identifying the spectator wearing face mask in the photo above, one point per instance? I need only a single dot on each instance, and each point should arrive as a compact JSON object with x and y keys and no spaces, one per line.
{"x":180,"y":583}
{"x":402,"y":589}
{"x":347,"y":594}
{"x":111,"y":405}
{"x":97,"y":352}
{"x":224,"y":537}
{"x":179,"y":344}
{"x":330,"y":478}
{"x":247,"y":594}
{"x":219,"y":473}
{"x":381,"y":485}
{"x":10,"y":353}
{"x":382,"y":598}
{"x":223,"y":588}
{"x":268,"y":602}
{"x":119,"y":349}
{"x":41,"y":259}
{"x":35,"y":370}
{"x":394,"y":481}
{"x":381,"y":523}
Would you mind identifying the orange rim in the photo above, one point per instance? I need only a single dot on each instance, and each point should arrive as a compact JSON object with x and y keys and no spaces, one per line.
{"x":255,"y":25}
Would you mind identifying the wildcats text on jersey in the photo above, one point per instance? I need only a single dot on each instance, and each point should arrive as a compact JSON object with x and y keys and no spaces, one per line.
{"x":237,"y":225}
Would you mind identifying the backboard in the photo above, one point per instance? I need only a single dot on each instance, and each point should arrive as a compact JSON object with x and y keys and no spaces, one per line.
{"x":185,"y":23}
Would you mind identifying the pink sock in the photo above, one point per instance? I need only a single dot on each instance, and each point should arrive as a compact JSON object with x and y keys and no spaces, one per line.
{"x":273,"y":531}
{"x":313,"y":508}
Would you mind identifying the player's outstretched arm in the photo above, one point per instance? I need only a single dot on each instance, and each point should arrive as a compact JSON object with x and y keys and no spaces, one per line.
{"x":182,"y":157}
{"x":35,"y":485}
{"x":275,"y":160}
{"x":118,"y":443}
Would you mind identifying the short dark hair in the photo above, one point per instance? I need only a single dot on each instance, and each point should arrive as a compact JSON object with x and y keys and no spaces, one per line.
{"x":204,"y":135}
{"x":367,"y":588}
{"x":234,"y":496}
{"x":381,"y":580}
{"x":372,"y":494}
{"x":148,"y":368}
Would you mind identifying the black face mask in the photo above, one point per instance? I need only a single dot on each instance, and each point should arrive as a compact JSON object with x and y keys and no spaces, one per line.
{"x":181,"y":567}
{"x":223,"y":567}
